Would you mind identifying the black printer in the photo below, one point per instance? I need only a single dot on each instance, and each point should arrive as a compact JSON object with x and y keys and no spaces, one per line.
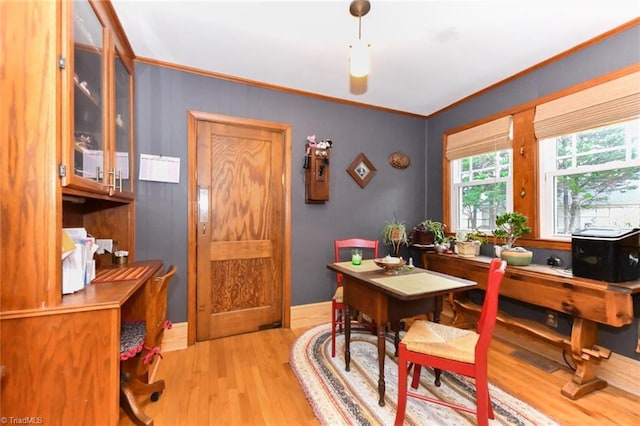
{"x":606,"y":254}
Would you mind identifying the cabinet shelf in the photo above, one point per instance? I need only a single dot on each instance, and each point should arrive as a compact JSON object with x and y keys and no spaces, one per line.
{"x":83,"y":97}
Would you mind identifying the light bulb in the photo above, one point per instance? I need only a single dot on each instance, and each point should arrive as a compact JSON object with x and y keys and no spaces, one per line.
{"x":359,"y":61}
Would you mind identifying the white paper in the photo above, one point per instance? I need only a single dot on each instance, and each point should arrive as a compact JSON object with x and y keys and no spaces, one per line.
{"x":91,"y":160}
{"x":122,"y":164}
{"x":73,"y":270}
{"x":76,"y":234}
{"x":104,"y":245}
{"x":159,"y":168}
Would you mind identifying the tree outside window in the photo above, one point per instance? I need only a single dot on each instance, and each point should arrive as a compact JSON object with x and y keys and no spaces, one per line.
{"x":481,"y":190}
{"x":593,"y":179}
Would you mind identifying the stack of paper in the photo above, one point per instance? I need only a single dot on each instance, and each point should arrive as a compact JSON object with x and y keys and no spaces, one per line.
{"x":78,"y":266}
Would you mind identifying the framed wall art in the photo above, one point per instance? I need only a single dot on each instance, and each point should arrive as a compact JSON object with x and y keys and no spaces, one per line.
{"x":361,"y":170}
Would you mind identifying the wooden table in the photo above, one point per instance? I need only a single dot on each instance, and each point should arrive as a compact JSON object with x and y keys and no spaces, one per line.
{"x":388,"y":298}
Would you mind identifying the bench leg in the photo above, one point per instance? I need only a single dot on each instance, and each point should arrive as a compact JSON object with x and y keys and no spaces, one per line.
{"x":583,"y":335}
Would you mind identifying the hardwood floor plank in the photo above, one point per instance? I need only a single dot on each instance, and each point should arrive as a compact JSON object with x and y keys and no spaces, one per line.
{"x":247,"y":380}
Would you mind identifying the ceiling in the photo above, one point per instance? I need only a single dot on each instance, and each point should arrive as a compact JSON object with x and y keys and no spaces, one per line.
{"x":425,"y":55}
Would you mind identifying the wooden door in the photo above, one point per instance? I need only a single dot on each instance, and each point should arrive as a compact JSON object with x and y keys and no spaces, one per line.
{"x":240,"y":230}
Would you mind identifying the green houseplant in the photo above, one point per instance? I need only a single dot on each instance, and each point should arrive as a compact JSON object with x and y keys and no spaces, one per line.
{"x":394,"y":233}
{"x":428,"y":232}
{"x":509,"y":227}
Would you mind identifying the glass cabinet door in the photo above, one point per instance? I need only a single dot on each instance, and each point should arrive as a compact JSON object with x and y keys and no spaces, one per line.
{"x":123,"y":129}
{"x":88,"y":93}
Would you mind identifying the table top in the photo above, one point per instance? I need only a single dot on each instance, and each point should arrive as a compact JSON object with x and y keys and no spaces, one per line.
{"x":554,"y":272}
{"x":406,"y":284}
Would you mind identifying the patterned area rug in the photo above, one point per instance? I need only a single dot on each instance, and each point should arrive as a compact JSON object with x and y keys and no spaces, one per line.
{"x":351,"y":398}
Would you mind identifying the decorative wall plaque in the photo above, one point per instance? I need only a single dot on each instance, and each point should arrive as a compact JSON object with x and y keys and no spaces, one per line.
{"x":362,"y":170}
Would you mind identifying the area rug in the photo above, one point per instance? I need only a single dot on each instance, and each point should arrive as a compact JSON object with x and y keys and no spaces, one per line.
{"x":339,"y":397}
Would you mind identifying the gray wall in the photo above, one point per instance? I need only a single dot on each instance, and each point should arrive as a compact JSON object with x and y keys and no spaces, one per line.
{"x":609,"y":55}
{"x":163,"y":97}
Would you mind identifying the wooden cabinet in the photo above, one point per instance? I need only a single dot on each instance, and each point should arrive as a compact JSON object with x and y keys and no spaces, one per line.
{"x":59,"y":355}
{"x":62,"y":364}
{"x":98,"y":66}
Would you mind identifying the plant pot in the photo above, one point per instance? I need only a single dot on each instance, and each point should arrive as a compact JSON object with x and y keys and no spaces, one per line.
{"x":467,"y":248}
{"x":423,"y":237}
{"x":476,"y":245}
{"x":516,"y":257}
{"x":396,"y":235}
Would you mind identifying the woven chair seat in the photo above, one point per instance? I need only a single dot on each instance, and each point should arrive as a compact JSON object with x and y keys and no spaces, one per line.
{"x":132,"y":336}
{"x":337,"y":296}
{"x":442,"y":341}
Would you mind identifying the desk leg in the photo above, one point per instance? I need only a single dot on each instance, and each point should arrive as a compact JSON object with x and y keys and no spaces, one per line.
{"x":381,"y":354}
{"x":347,"y":336}
{"x":583,"y":335}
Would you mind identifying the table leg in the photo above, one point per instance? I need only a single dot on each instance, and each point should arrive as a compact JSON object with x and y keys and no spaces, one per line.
{"x":347,"y":337}
{"x":438,"y":308}
{"x":381,"y":354}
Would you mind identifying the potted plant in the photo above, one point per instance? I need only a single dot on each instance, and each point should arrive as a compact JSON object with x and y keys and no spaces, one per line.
{"x":468,"y":243}
{"x":394,"y":233}
{"x":510,"y":226}
{"x":428,"y":232}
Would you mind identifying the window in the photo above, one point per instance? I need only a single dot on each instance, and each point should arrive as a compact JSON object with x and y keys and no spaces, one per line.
{"x":481,"y":190}
{"x":481,"y":170}
{"x":590,"y":178}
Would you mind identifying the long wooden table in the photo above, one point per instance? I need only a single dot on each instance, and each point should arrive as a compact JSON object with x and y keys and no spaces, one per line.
{"x":588,"y":301}
{"x":388,"y":298}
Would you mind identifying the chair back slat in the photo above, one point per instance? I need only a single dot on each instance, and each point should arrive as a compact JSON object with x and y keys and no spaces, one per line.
{"x":157,"y":309}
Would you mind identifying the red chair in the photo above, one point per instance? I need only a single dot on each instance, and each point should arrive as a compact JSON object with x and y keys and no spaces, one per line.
{"x":449,"y":348}
{"x":337,"y":307}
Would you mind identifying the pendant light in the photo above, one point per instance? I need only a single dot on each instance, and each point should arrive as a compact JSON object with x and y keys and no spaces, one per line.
{"x":359,"y":58}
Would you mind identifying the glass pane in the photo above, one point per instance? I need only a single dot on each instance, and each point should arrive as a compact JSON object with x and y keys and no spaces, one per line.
{"x":88,"y":95}
{"x":123,"y":125}
{"x":602,"y":198}
{"x":480,"y":205}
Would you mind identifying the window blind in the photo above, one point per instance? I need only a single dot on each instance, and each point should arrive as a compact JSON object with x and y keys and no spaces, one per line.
{"x":607,"y":103}
{"x":493,"y":136}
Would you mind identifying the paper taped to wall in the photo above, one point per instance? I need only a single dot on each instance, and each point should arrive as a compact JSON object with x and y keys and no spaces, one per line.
{"x":159,"y":168}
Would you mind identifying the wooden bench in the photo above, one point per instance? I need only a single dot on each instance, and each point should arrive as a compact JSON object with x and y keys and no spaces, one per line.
{"x":589,"y":302}
{"x":530,"y":327}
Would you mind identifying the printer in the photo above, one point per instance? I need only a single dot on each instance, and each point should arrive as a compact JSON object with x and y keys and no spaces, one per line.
{"x":606,"y":254}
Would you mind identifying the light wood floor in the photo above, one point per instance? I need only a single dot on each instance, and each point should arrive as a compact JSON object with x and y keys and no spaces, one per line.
{"x":246,"y":380}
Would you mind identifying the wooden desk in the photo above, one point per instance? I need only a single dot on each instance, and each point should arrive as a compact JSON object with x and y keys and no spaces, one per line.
{"x":390,"y":298}
{"x":588,"y":301}
{"x":62,"y":364}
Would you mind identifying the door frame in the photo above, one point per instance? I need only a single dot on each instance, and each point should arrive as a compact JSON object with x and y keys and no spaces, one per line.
{"x":192,"y":119}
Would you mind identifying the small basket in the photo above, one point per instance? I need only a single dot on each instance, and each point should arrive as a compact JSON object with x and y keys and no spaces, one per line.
{"x":466,"y":248}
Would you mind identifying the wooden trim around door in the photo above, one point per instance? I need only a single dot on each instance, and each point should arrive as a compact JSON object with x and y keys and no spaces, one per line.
{"x":192,"y":118}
